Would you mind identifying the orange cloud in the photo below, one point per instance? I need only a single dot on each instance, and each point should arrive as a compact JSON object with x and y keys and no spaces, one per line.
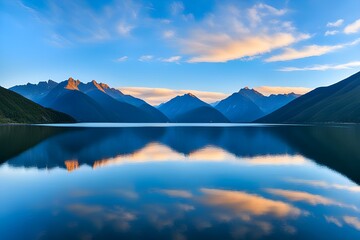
{"x":267,"y":90}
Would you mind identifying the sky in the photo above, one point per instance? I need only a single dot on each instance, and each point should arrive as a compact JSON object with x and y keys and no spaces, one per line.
{"x":208,"y":46}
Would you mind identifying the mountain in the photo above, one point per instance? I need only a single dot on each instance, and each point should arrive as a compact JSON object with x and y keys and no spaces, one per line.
{"x":91,"y":102}
{"x":189,"y":108}
{"x":268,"y":104}
{"x":67,"y":98}
{"x":118,"y":111}
{"x":15,"y":108}
{"x":339,"y":102}
{"x":154,"y":113}
{"x":239,"y":108}
{"x":35,"y":92}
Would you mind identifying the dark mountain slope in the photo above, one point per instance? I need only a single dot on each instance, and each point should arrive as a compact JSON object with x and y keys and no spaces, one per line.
{"x":339,"y":102}
{"x":15,"y":108}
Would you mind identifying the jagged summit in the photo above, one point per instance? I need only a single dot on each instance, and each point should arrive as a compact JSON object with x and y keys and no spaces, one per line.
{"x":72,"y":84}
{"x":97,"y":85}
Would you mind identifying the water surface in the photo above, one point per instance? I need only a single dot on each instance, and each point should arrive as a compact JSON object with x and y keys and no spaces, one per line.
{"x":180,"y":182}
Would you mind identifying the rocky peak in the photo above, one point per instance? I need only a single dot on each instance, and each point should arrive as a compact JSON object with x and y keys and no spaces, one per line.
{"x":72,"y":84}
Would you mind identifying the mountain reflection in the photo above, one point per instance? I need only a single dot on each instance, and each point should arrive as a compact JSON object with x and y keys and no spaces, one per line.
{"x":255,"y":182}
{"x":70,"y":148}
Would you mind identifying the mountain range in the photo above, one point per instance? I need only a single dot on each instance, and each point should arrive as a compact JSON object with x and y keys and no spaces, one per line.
{"x":15,"y":108}
{"x":339,"y":103}
{"x":97,"y":102}
{"x":90,"y":102}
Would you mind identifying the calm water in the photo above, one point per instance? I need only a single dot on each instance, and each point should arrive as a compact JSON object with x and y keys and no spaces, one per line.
{"x":244,"y":182}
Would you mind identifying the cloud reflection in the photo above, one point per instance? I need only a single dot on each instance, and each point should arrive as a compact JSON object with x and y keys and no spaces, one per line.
{"x":156,"y":152}
{"x":323,"y":184}
{"x":353,"y":221}
{"x":312,"y":199}
{"x":245,"y":203}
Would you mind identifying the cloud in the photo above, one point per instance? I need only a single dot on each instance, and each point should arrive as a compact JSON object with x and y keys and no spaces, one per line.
{"x":146,"y":58}
{"x":267,"y":90}
{"x":353,"y":27}
{"x":334,"y":220}
{"x":122,"y":59}
{"x":324,"y":67}
{"x":124,"y":29}
{"x":174,"y":193}
{"x":156,"y":96}
{"x":330,"y":33}
{"x":308,"y":51}
{"x":76,"y":21}
{"x":337,"y":23}
{"x":101,"y":216}
{"x":231,"y":32}
{"x":176,"y":8}
{"x":168,"y":34}
{"x":172,"y":59}
{"x":244,"y":203}
{"x":312,"y":199}
{"x":323,"y":184}
{"x":352,"y":221}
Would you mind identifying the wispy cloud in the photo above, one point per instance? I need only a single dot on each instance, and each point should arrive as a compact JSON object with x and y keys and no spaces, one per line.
{"x":146,"y":58}
{"x":122,"y":59}
{"x":76,"y":21}
{"x":172,"y":59}
{"x":337,"y":23}
{"x":323,"y":67}
{"x":323,"y":184}
{"x":174,"y":193}
{"x":352,"y":221}
{"x":330,"y":33}
{"x":168,"y":34}
{"x":353,"y":27}
{"x":231,"y":33}
{"x":308,"y":51}
{"x":334,"y":220}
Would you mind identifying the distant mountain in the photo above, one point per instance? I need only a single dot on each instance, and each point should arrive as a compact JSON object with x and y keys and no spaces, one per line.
{"x":239,"y":108}
{"x":268,"y":104}
{"x":15,"y":108}
{"x":339,"y":102}
{"x":35,"y":92}
{"x":189,"y":108}
{"x":154,"y":113}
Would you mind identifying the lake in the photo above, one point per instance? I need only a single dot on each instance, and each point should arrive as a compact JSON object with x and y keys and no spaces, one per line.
{"x":118,"y":181}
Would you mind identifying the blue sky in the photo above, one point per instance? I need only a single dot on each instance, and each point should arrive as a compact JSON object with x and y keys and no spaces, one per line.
{"x":206,"y":45}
